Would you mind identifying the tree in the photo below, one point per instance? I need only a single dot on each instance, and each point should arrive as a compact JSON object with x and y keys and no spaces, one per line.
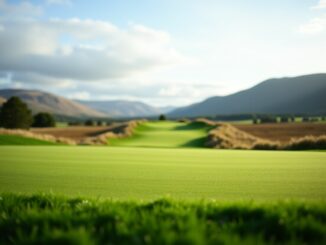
{"x":89,"y":122}
{"x":162,"y":117}
{"x":284,"y":119}
{"x":15,"y":114}
{"x":268,"y":119}
{"x":43,"y":120}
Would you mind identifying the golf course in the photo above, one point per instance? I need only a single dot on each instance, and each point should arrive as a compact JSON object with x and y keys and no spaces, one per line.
{"x":165,"y":135}
{"x":159,"y":186}
{"x":163,"y":159}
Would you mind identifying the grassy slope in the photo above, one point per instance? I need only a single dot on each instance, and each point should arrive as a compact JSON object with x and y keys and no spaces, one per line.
{"x":19,"y":140}
{"x":48,"y":219}
{"x":165,"y":134}
{"x":144,"y":173}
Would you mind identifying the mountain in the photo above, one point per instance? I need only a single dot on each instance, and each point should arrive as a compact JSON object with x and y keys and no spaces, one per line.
{"x":166,"y":109}
{"x":122,"y":108}
{"x":39,"y":101}
{"x":303,"y":94}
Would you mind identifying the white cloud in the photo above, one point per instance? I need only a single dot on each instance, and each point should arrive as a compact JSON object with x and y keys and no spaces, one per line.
{"x":320,"y":5}
{"x":314,"y":26}
{"x":58,"y":2}
{"x":82,"y":95}
{"x":83,"y":49}
{"x":19,"y":10}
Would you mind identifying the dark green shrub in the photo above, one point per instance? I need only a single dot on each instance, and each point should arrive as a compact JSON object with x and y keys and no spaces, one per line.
{"x":268,"y":119}
{"x":89,"y":122}
{"x":43,"y":120}
{"x":305,"y":119}
{"x":162,"y":117}
{"x":284,"y":119}
{"x":15,"y":114}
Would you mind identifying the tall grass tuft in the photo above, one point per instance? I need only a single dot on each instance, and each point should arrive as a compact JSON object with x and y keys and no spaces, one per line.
{"x":44,"y":137}
{"x":226,"y":136}
{"x":51,"y":219}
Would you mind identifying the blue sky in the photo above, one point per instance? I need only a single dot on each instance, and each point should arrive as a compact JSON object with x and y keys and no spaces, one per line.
{"x":158,"y":51}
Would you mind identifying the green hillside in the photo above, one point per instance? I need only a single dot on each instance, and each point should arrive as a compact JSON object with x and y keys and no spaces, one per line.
{"x":165,"y":134}
{"x":150,"y":173}
{"x":20,"y":140}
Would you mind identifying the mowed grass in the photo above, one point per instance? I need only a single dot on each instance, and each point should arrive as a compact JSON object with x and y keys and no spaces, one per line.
{"x":166,"y":134}
{"x":19,"y":140}
{"x":149,"y":173}
{"x":52,"y":219}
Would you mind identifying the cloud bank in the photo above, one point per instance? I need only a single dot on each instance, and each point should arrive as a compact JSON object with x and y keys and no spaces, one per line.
{"x":82,"y":49}
{"x":320,"y":5}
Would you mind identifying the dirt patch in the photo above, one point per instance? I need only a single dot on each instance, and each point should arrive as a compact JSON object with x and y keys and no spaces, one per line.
{"x":227,"y":136}
{"x":38,"y":136}
{"x":284,"y":132}
{"x":74,"y":132}
{"x":78,"y":135}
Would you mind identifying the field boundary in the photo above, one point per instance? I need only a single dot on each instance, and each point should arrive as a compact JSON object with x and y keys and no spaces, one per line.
{"x":227,"y":136}
{"x":120,"y":131}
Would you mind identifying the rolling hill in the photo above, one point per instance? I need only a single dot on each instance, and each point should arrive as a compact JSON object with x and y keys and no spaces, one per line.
{"x":39,"y":101}
{"x":303,"y":94}
{"x":123,"y":108}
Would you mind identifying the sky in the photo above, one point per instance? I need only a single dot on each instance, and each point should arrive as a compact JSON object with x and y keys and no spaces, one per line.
{"x":161,"y":52}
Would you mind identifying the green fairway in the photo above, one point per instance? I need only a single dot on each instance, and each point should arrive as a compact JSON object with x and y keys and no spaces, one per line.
{"x":19,"y":140}
{"x":165,"y":134}
{"x":144,"y":173}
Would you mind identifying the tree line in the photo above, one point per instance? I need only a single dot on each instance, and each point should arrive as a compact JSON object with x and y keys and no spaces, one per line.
{"x":15,"y":114}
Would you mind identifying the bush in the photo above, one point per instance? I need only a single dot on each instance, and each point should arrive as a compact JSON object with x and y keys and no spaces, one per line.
{"x":284,"y":119}
{"x":43,"y":120}
{"x":307,"y":143}
{"x":268,"y":119}
{"x":305,"y":119}
{"x":89,"y":122}
{"x":15,"y":114}
{"x":74,"y":123}
{"x":162,"y":117}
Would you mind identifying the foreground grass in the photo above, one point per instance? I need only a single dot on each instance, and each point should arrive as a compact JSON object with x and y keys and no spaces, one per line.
{"x":20,"y":140}
{"x":49,"y":219}
{"x":165,"y":134}
{"x":150,"y":173}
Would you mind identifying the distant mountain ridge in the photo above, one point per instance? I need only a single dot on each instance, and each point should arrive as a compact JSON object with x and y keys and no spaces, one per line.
{"x":296,"y":95}
{"x":39,"y":101}
{"x":123,"y":108}
{"x":303,"y":94}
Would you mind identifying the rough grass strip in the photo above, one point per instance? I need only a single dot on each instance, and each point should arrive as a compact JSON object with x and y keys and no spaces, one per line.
{"x":50,"y":219}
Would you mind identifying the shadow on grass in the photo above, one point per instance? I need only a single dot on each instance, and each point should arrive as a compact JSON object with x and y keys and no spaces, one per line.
{"x":198,"y":143}
{"x":191,"y":126}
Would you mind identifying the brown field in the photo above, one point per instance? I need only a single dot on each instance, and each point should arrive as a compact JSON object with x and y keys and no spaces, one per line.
{"x":74,"y":132}
{"x":283,"y":132}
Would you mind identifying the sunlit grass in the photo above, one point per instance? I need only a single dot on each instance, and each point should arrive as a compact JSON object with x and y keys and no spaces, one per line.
{"x":165,"y":134}
{"x":150,"y":173}
{"x":20,"y":140}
